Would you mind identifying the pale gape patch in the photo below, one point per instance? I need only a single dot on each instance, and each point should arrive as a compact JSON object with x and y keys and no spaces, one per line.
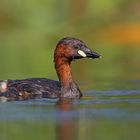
{"x":82,"y":53}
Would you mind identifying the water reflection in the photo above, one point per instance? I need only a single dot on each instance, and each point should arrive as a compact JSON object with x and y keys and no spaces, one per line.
{"x":67,"y":125}
{"x":99,"y":114}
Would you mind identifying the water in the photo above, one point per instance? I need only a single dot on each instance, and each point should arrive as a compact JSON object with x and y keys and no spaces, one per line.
{"x":99,"y":115}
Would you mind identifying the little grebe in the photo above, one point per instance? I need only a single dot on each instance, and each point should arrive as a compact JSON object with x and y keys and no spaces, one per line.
{"x":66,"y":50}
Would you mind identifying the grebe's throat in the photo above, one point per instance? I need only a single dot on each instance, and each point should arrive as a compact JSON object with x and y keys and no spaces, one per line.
{"x":62,"y":66}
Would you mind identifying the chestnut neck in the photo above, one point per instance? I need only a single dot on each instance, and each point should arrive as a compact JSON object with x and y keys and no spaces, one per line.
{"x":62,"y":60}
{"x":62,"y":66}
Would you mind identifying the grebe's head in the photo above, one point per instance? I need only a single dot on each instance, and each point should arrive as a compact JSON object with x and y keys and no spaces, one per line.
{"x":72,"y":48}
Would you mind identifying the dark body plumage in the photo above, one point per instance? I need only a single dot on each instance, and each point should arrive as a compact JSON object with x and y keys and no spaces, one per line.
{"x":66,"y":50}
{"x":31,"y":88}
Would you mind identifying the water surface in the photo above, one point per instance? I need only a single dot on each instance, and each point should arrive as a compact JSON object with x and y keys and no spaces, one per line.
{"x":99,"y":115}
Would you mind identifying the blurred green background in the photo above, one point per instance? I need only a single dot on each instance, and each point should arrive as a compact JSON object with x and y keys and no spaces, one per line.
{"x":30,"y":29}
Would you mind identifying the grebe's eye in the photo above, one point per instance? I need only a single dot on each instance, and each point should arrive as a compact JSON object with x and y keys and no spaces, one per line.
{"x":77,"y":47}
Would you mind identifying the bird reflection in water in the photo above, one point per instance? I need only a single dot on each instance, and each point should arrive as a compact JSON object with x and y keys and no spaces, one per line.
{"x":67,"y":121}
